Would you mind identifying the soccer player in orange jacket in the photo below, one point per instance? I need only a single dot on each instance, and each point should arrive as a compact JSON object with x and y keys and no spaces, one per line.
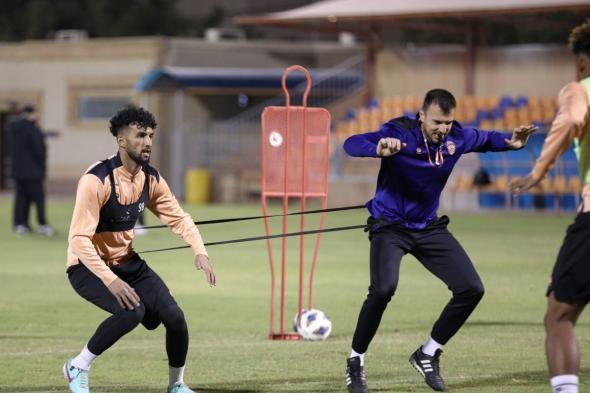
{"x":104,"y":269}
{"x":569,"y":291}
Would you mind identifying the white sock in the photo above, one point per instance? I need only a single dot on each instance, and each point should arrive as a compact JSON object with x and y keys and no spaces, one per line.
{"x":430,"y":347}
{"x":176,"y":375}
{"x":565,"y":383}
{"x":353,"y":353}
{"x":84,"y":359}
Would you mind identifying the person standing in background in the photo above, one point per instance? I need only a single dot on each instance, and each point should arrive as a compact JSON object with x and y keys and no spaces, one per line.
{"x":28,"y":155}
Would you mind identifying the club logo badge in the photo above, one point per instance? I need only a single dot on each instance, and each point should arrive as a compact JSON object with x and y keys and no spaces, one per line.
{"x":451,"y":147}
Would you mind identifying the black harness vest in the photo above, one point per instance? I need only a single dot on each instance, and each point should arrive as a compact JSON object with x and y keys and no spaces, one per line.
{"x":115,"y":217}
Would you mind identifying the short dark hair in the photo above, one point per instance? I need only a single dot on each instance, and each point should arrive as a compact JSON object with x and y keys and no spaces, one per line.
{"x":443,"y":98}
{"x":579,"y":40}
{"x":132,"y":115}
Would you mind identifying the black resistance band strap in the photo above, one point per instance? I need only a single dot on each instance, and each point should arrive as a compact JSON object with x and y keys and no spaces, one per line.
{"x":249,"y":239}
{"x":222,"y":220}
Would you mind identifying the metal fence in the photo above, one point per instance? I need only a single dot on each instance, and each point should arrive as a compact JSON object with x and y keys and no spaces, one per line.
{"x":236,"y":141}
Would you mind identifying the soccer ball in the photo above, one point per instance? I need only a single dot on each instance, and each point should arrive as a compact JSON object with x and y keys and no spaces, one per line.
{"x":314,"y":325}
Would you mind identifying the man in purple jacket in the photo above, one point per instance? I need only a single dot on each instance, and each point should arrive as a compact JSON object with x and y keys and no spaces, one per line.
{"x":417,"y":157}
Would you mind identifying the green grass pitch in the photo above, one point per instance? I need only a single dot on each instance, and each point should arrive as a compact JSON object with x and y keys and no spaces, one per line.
{"x":500,"y":349}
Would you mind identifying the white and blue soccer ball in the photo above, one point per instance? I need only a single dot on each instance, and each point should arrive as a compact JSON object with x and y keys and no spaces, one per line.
{"x":314,"y":325}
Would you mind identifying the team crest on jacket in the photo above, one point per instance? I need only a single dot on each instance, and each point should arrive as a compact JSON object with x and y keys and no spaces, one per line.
{"x":451,"y":147}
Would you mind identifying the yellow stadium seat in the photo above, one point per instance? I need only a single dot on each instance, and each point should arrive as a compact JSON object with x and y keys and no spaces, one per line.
{"x":547,"y":116}
{"x":498,"y":124}
{"x":523,"y":115}
{"x":560,"y":184}
{"x":500,"y":183}
{"x":574,"y":184}
{"x":537,"y":115}
{"x":408,"y":104}
{"x":481,"y":103}
{"x":486,"y":125}
{"x":493,"y":102}
{"x":534,"y":102}
{"x":353,"y":127}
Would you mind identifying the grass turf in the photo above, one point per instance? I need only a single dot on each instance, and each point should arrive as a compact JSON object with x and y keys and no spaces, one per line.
{"x":500,"y":349}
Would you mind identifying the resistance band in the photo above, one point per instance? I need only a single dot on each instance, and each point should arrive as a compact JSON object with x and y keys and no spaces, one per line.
{"x":222,"y":220}
{"x":249,"y":239}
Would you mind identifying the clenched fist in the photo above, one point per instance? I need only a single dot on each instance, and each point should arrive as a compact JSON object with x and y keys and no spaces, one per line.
{"x":389,"y":146}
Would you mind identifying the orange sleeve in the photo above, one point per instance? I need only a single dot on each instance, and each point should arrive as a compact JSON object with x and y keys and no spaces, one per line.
{"x":569,"y":121}
{"x":90,"y":196}
{"x":165,"y":206}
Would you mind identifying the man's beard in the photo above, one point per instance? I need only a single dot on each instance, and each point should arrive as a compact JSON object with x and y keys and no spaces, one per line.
{"x":137,"y":158}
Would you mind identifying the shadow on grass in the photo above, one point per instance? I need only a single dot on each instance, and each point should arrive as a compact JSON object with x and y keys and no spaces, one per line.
{"x":122,"y":389}
{"x":321,"y":385}
{"x":522,"y":378}
{"x":513,"y":323}
{"x":503,"y":323}
{"x":316,"y":385}
{"x":308,"y":385}
{"x":24,"y":337}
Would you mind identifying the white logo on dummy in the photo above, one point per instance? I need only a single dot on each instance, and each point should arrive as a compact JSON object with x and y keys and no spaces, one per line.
{"x":275,"y":138}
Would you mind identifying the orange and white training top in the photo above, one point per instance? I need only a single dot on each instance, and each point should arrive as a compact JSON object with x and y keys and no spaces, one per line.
{"x":109,"y":200}
{"x":571,"y":124}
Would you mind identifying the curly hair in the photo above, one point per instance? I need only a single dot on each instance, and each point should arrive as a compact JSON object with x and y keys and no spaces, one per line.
{"x":579,"y":40}
{"x":132,"y":115}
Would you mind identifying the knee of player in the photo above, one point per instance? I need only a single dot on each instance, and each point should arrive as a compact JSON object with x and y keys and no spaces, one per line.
{"x":554,"y":316}
{"x":134,"y":316}
{"x":172,"y":316}
{"x":478,"y":290}
{"x":474,"y":292}
{"x":151,"y":323}
{"x":383,"y":293}
{"x":552,"y":319}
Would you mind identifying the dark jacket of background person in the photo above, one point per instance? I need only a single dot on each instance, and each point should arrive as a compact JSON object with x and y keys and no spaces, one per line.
{"x":27,"y":149}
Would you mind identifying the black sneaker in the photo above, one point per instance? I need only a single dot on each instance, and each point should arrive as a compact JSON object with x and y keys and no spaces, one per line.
{"x":355,"y":376}
{"x":428,"y":366}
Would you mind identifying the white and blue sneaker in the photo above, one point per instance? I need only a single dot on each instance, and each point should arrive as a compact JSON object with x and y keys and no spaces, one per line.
{"x":77,"y":378}
{"x":180,"y":387}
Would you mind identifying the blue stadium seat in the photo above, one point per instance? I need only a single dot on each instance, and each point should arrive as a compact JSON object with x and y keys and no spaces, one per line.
{"x":521,"y":101}
{"x":497,"y":113}
{"x":492,"y":200}
{"x":506,"y":102}
{"x":482,"y":115}
{"x":373,"y":103}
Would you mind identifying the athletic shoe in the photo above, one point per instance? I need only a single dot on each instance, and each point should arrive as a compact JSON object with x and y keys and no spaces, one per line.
{"x":180,"y":388}
{"x":77,"y":378}
{"x":46,"y":230}
{"x":22,"y":230}
{"x":355,"y":376}
{"x":429,"y":368}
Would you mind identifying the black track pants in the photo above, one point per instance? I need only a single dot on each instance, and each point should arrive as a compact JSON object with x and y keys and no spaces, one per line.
{"x":440,"y":253}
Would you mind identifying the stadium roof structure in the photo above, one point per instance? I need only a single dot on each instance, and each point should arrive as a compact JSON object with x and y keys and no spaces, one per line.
{"x":334,"y":11}
{"x":366,"y":17}
{"x":230,"y":78}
